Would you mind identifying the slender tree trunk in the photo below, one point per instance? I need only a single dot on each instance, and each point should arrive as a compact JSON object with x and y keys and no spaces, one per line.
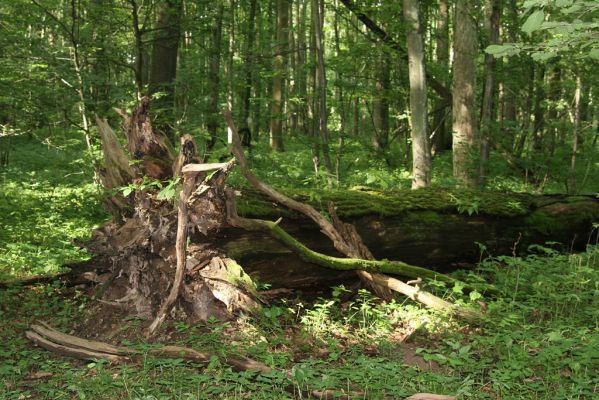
{"x":492,"y":21}
{"x":552,"y":113}
{"x":230,"y":66}
{"x":140,"y":56}
{"x":380,"y":103}
{"x":248,"y":72}
{"x":339,"y":92}
{"x":301,"y":70}
{"x":213,"y":116}
{"x":257,"y":105}
{"x":510,"y":69}
{"x":421,"y":159}
{"x":441,"y":139}
{"x":321,"y":82}
{"x":576,"y":136}
{"x":464,"y":127}
{"x":539,"y":110}
{"x":278,"y":81}
{"x":520,"y":143}
{"x":163,"y":69}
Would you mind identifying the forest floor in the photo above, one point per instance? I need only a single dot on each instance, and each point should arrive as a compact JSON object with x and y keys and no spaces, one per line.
{"x":540,"y":339}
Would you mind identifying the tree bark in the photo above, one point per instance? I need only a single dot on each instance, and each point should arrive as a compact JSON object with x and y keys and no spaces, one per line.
{"x":321,"y":84}
{"x":492,"y":24}
{"x":278,"y":80}
{"x":465,"y":127}
{"x":422,"y":228}
{"x":213,"y":116}
{"x":421,"y":158}
{"x":163,"y":66}
{"x":441,"y":140}
{"x":380,"y":103}
{"x":248,"y":66}
{"x":576,"y":135}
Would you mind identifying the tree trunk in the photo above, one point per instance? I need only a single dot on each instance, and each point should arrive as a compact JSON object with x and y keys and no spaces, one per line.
{"x":423,"y":228}
{"x":576,"y":135}
{"x":163,"y":68}
{"x":278,"y":80}
{"x":380,"y":103}
{"x":321,"y":84}
{"x":492,"y":22}
{"x":421,"y":159}
{"x":465,"y":127}
{"x":539,"y":109}
{"x":248,"y":66}
{"x":213,"y":116}
{"x":441,"y":140}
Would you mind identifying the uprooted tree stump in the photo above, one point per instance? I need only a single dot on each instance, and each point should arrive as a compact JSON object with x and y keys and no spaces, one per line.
{"x":156,"y":243}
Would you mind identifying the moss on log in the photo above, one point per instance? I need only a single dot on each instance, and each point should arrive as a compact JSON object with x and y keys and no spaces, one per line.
{"x":427,"y":228}
{"x":358,"y":202}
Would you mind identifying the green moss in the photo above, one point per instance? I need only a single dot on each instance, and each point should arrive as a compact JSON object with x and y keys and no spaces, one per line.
{"x":552,"y":219}
{"x":238,"y":277}
{"x":357,"y":203}
{"x":424,"y":217}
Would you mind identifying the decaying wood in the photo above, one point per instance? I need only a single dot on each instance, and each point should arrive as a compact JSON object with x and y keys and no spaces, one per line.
{"x":118,"y":171}
{"x":70,"y":351}
{"x":189,"y":168}
{"x":180,"y":248}
{"x":147,"y":145}
{"x":72,"y":346}
{"x":345,"y":239}
{"x":83,"y":349}
{"x":155,"y":275}
{"x":430,"y":396}
{"x":326,"y":227}
{"x":365,"y":266}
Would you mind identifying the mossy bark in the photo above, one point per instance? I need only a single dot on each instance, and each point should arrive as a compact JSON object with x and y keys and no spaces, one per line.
{"x":423,"y":228}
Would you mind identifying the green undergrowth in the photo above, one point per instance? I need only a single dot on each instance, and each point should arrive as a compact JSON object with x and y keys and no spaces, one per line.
{"x":540,"y":341}
{"x":47,"y":200}
{"x":359,"y":166}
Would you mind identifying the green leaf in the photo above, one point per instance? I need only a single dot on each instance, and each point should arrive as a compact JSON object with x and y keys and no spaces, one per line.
{"x":502,"y":50}
{"x":496,"y":49}
{"x":563,"y":3}
{"x":594,"y":53}
{"x":534,"y":22}
{"x":543,"y":55}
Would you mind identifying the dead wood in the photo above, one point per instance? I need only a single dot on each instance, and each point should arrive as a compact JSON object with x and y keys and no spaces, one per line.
{"x":430,"y":396}
{"x":344,"y":236}
{"x":73,"y":352}
{"x":117,"y":169}
{"x":75,"y":347}
{"x":413,"y":292}
{"x":148,"y":252}
{"x":180,"y":248}
{"x":147,"y":145}
{"x":340,"y":243}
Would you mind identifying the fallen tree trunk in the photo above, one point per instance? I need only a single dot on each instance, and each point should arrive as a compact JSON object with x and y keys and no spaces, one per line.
{"x":345,"y":238}
{"x":424,"y":228}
